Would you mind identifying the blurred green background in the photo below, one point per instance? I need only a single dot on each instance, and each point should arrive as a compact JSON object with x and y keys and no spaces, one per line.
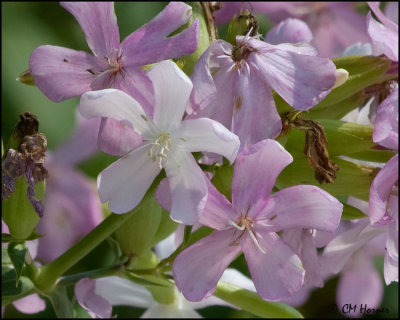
{"x":27,"y":25}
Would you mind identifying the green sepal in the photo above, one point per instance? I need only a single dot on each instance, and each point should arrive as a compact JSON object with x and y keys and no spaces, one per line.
{"x":61,"y":303}
{"x":238,"y":26}
{"x":18,"y":213}
{"x":222,"y":180}
{"x":350,"y":212}
{"x":253,"y":303}
{"x":147,"y":260}
{"x":188,"y":62}
{"x":351,"y":179}
{"x":165,"y":228}
{"x":163,"y":295}
{"x":5,"y":237}
{"x":17,"y":252}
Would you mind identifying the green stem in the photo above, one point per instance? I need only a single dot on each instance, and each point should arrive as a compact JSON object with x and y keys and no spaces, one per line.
{"x":48,"y":274}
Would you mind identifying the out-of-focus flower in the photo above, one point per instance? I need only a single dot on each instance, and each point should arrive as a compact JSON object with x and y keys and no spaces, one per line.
{"x":168,"y":144}
{"x":72,"y":207}
{"x":233,"y":84}
{"x":384,"y":36}
{"x":250,"y":224}
{"x":62,"y":73}
{"x":335,"y":25}
{"x":98,"y":296}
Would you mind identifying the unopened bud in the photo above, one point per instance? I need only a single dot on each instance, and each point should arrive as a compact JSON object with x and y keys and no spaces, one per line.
{"x":240,"y":25}
{"x":341,"y":77}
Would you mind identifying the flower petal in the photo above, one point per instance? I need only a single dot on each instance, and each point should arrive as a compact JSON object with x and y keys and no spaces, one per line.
{"x":116,"y":138}
{"x":390,"y":270}
{"x":360,"y":284}
{"x":172,"y":90}
{"x":301,"y":80}
{"x":278,"y":272}
{"x":97,"y":306}
{"x":254,"y":113}
{"x":99,"y":23}
{"x":206,"y":259}
{"x":188,"y":187}
{"x":290,"y":30}
{"x":151,"y":43}
{"x":62,"y":73}
{"x":386,"y":127}
{"x":125,"y":182}
{"x":256,"y":170}
{"x":381,"y":188}
{"x":30,"y":304}
{"x":218,"y":210}
{"x":123,"y":292}
{"x":208,"y":135}
{"x":384,"y":40}
{"x":340,"y":249}
{"x":113,"y":103}
{"x":304,"y":206}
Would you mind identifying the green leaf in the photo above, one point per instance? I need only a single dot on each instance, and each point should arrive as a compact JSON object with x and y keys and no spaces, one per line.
{"x":148,"y":280}
{"x":222,"y":180}
{"x":17,"y":211}
{"x":344,"y":138}
{"x":61,"y":303}
{"x":11,"y":292}
{"x":17,"y":252}
{"x":252,"y":302}
{"x":350,"y":212}
{"x":373,"y":155}
{"x":351,"y":179}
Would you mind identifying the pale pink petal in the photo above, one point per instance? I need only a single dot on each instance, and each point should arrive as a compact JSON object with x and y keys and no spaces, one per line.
{"x":381,"y":188}
{"x":290,"y":30}
{"x":123,"y":292}
{"x":392,"y":237}
{"x":208,"y":135}
{"x":304,"y":206}
{"x":163,"y":195}
{"x":278,"y":272}
{"x":256,"y":170}
{"x":188,"y":187}
{"x":254,"y":112}
{"x":301,"y":80}
{"x":125,"y":182}
{"x":172,"y":89}
{"x":81,"y":145}
{"x":392,"y":11}
{"x":198,"y":268}
{"x":359,"y":284}
{"x":384,"y":41}
{"x":299,"y":48}
{"x":30,"y":304}
{"x":340,"y":249}
{"x":116,"y":104}
{"x":218,"y":210}
{"x":390,"y":270}
{"x":62,"y":73}
{"x":97,"y":306}
{"x":99,"y":23}
{"x":116,"y":138}
{"x":385,"y":20}
{"x":386,"y":127}
{"x":151,"y":43}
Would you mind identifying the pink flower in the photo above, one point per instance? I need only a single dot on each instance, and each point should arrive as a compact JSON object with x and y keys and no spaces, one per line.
{"x":167,"y":143}
{"x":250,"y":224}
{"x":233,"y":85}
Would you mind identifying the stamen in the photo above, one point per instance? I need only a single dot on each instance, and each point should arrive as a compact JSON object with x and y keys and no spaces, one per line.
{"x":241,"y":228}
{"x":252,"y":235}
{"x":160,"y":148}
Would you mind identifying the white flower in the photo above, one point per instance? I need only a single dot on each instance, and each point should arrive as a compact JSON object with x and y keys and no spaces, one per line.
{"x":167,"y":143}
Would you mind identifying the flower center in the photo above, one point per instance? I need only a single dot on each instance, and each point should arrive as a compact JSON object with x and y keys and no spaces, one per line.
{"x":246,"y":224}
{"x":160,"y":148}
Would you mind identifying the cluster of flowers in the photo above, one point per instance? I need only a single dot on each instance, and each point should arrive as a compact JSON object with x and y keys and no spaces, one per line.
{"x":154,"y":118}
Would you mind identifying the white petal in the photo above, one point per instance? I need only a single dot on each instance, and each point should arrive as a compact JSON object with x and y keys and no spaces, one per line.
{"x":188,"y":187}
{"x":116,"y":104}
{"x":125,"y":182}
{"x":172,"y":89}
{"x":123,"y":292}
{"x":208,"y":135}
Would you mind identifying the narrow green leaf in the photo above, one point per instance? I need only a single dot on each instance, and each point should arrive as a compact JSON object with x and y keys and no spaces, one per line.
{"x":373,"y":155}
{"x":61,"y":303}
{"x":148,"y":280}
{"x":17,"y":252}
{"x":252,"y":302}
{"x":351,"y":179}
